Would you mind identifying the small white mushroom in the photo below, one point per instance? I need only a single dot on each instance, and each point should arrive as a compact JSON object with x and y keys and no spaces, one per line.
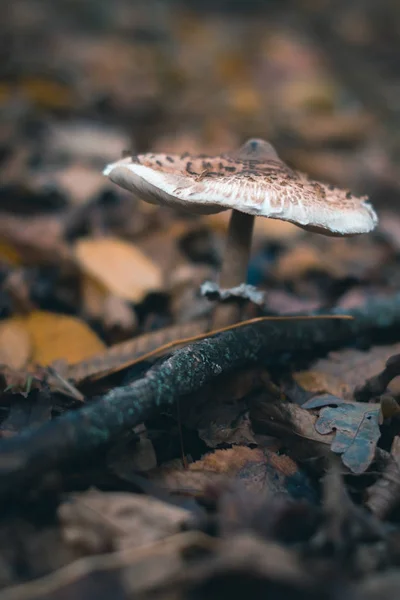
{"x":251,"y":181}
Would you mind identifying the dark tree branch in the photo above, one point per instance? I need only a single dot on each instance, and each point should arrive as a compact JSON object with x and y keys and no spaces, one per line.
{"x":80,"y":433}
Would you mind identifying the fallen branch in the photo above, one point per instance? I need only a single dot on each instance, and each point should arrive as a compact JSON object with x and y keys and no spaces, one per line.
{"x":76,"y":434}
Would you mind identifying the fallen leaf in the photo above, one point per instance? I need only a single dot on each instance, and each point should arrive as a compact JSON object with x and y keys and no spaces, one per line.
{"x":356,"y":425}
{"x":93,"y":294}
{"x":86,"y":141}
{"x":294,"y":427}
{"x":343,"y":371}
{"x":55,"y":336}
{"x":282,"y":302}
{"x":257,"y":469}
{"x":318,"y":382}
{"x":303,"y":259}
{"x":219,"y":412}
{"x":34,"y":240}
{"x":118,"y":316}
{"x":79,"y":181}
{"x":99,"y":521}
{"x":121,"y":267}
{"x":115,"y":313}
{"x":15,"y":344}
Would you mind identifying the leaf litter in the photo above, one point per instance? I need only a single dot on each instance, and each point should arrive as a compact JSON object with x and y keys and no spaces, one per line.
{"x":356,"y":428}
{"x":279,"y":478}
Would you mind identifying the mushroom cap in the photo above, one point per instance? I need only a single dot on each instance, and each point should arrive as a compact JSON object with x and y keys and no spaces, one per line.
{"x":253,"y":180}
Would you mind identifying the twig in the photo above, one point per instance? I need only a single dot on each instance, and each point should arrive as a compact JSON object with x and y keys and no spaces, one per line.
{"x":121,"y":355}
{"x":106,"y":363}
{"x":66,"y":385}
{"x":81,"y":432}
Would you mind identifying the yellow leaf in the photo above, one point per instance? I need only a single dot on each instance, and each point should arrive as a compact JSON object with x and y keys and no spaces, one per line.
{"x":121,"y":267}
{"x":15,"y":343}
{"x":55,"y":336}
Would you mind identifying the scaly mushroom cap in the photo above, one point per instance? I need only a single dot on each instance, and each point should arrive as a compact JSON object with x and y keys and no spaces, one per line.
{"x":253,"y":180}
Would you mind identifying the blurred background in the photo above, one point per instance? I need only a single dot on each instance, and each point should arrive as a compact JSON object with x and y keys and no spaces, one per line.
{"x":319,"y":78}
{"x":81,"y":81}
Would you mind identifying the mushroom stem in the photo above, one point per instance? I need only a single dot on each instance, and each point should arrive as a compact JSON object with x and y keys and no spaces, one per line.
{"x":234,"y":265}
{"x":237,"y":250}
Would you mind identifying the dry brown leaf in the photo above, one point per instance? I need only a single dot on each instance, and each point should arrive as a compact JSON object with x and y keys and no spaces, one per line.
{"x":295,"y":427}
{"x":55,"y":336}
{"x":115,"y":313}
{"x":98,"y":521}
{"x":120,"y":266}
{"x":79,"y":181}
{"x":282,"y":302}
{"x":343,"y":371}
{"x":34,"y":240}
{"x":86,"y":141}
{"x":162,"y":248}
{"x":257,"y":469}
{"x":318,"y":382}
{"x":15,"y":343}
{"x":303,"y":258}
{"x":93,"y":294}
{"x":357,"y":256}
{"x":118,"y":316}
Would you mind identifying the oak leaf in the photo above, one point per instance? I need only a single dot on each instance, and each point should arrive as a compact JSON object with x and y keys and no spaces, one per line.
{"x":356,"y":427}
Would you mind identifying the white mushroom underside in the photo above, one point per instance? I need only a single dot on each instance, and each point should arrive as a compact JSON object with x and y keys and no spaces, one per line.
{"x":294,"y":202}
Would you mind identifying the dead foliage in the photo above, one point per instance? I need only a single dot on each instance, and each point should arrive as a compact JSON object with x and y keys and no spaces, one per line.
{"x":258,"y":459}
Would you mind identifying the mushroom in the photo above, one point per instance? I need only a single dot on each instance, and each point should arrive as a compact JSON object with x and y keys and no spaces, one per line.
{"x":251,"y":181}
